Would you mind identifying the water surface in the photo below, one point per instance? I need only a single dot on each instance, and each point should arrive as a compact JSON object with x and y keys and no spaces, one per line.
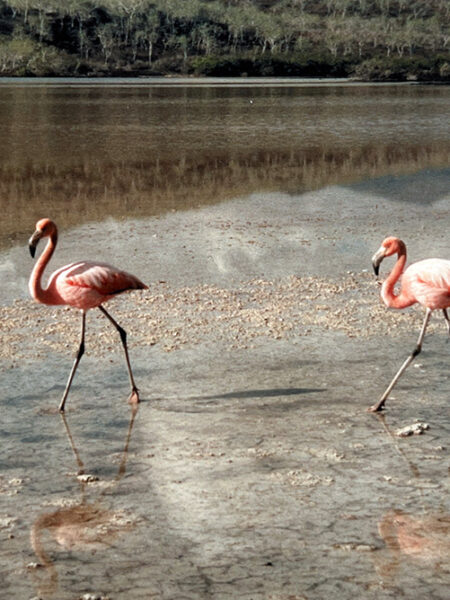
{"x":83,"y":150}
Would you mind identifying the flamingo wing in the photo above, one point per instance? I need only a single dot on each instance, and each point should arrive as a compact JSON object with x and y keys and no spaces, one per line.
{"x":101,"y":277}
{"x":87,"y":285}
{"x":429,"y":282}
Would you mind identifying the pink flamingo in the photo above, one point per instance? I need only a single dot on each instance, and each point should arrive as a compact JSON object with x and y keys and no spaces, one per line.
{"x":83,"y":285}
{"x":426,"y":282}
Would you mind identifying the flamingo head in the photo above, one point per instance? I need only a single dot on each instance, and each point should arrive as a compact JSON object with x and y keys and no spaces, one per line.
{"x":44,"y":228}
{"x":389,"y":246}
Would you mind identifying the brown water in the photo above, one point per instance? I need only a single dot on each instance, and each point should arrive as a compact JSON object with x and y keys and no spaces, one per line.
{"x":84,"y":151}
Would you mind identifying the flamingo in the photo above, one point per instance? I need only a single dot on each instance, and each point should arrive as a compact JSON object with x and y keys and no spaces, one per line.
{"x":426,"y":282}
{"x":83,"y":285}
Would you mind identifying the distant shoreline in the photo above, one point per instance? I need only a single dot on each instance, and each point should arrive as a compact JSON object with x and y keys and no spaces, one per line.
{"x":174,"y":81}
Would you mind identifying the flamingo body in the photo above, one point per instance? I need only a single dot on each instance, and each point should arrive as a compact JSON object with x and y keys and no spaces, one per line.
{"x":83,"y":285}
{"x":426,"y":282}
{"x":86,"y":285}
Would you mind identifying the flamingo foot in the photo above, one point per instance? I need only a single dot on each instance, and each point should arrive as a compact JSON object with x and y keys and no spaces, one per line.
{"x":134,"y":396}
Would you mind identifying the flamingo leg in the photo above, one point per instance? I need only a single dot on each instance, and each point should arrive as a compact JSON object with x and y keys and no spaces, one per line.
{"x":75,"y":364}
{"x":134,"y":396}
{"x":74,"y":448}
{"x":447,"y":321}
{"x":379,"y":405}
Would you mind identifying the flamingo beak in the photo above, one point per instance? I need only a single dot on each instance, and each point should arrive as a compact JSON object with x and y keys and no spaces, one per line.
{"x":33,"y":242}
{"x":377,"y":259}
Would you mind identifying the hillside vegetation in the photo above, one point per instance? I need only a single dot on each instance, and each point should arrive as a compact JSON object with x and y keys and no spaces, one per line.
{"x":367,"y":39}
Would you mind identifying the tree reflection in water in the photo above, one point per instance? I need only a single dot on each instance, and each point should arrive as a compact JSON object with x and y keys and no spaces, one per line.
{"x":91,"y":189}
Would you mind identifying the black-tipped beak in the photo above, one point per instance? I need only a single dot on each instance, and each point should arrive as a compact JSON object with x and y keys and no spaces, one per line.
{"x":33,"y":242}
{"x":377,"y":259}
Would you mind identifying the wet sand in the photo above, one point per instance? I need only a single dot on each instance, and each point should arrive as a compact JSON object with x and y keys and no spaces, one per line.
{"x":251,"y":468}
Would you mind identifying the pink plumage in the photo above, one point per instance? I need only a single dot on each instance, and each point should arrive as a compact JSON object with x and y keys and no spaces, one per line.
{"x":83,"y":285}
{"x":86,"y":285}
{"x":426,"y":282}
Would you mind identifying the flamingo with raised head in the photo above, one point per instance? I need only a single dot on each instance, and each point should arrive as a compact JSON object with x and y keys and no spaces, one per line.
{"x":426,"y":282}
{"x":83,"y":285}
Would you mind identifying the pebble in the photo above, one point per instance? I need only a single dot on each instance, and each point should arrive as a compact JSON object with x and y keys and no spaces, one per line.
{"x":87,"y":478}
{"x":352,"y":546}
{"x":414,"y":429}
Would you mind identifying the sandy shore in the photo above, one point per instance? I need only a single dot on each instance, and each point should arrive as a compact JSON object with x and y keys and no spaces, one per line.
{"x":174,"y":318}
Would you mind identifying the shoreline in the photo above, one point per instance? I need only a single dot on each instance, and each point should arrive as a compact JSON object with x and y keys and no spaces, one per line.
{"x":175,"y":80}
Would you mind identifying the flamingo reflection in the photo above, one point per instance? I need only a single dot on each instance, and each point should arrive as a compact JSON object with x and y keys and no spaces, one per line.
{"x":84,"y":526}
{"x":422,"y":537}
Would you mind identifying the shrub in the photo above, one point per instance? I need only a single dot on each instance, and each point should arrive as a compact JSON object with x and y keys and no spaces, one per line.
{"x":404,"y":68}
{"x":270,"y":65}
{"x":444,"y":71}
{"x":221,"y":66}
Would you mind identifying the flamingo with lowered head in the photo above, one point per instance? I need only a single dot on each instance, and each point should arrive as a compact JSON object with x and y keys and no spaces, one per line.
{"x":83,"y":285}
{"x":426,"y":282}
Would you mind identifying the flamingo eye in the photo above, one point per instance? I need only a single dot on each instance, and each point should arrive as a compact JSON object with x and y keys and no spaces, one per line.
{"x":45,"y":226}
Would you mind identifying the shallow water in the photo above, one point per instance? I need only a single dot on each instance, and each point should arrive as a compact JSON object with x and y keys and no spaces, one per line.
{"x":251,"y":469}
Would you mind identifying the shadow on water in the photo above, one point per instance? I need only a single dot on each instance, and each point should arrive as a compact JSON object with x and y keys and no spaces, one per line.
{"x":210,"y":403}
{"x":269,"y":393}
{"x":85,"y":526}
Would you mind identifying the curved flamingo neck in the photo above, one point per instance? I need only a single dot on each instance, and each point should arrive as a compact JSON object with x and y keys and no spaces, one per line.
{"x":40,"y":294}
{"x":387,"y":291}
